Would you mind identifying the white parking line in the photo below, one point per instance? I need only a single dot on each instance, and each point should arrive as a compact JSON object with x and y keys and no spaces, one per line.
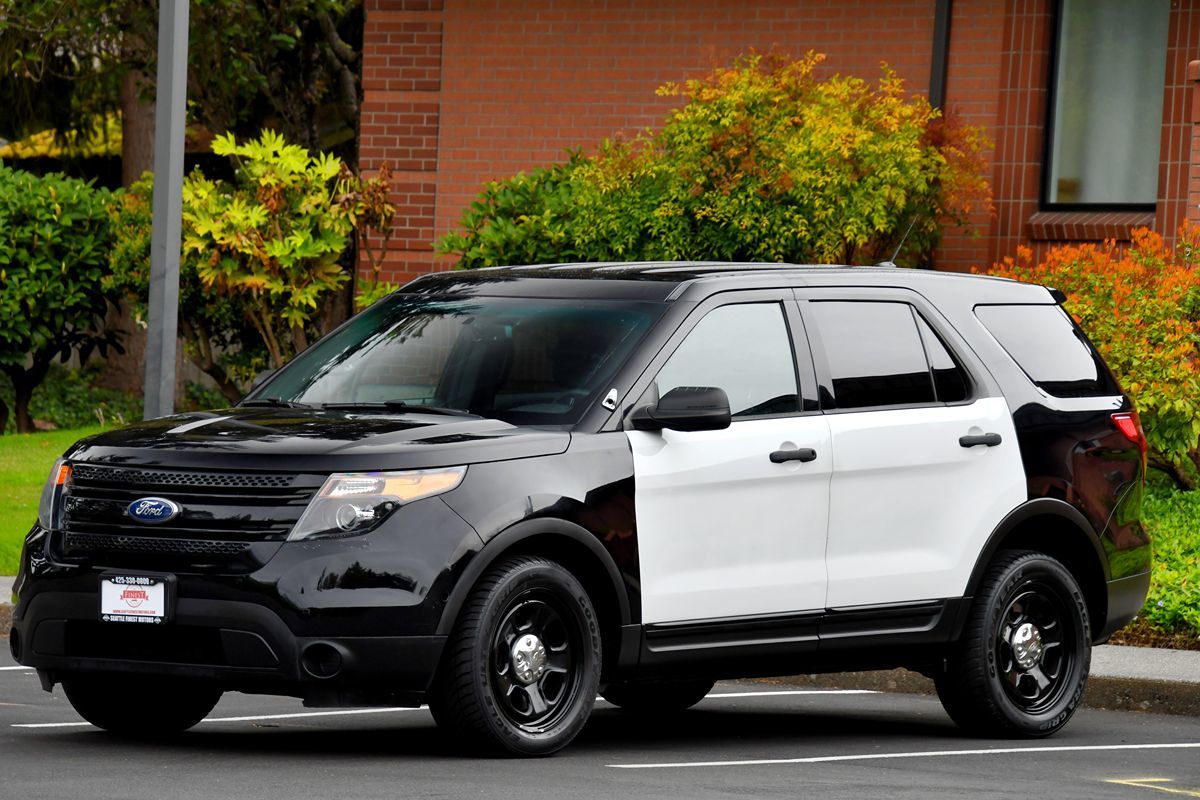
{"x":30,"y":669}
{"x":924,"y":754}
{"x":788,"y":692}
{"x":255,"y":718}
{"x":349,"y":711}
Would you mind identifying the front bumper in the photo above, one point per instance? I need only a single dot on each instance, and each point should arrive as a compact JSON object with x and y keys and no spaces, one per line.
{"x":337,"y":622}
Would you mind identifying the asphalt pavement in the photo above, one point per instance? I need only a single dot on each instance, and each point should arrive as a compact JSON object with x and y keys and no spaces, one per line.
{"x":748,"y":739}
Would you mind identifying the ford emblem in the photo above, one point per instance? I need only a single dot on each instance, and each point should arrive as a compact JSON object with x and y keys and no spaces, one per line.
{"x":153,"y":510}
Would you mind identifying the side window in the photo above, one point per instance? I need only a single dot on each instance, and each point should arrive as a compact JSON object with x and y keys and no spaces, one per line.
{"x":745,"y":350}
{"x":949,"y":382}
{"x":1050,"y":348}
{"x":874,"y":353}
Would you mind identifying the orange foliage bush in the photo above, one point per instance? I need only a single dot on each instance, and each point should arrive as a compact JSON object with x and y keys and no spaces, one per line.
{"x":1139,"y":306}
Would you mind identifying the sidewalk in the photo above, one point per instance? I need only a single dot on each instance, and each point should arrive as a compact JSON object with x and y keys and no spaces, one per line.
{"x":1132,"y":678}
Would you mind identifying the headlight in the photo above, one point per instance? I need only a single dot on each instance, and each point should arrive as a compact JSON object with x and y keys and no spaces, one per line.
{"x":50,"y":507}
{"x":355,"y":502}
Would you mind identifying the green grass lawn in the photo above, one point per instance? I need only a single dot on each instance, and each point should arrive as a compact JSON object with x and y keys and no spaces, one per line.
{"x":25,"y":461}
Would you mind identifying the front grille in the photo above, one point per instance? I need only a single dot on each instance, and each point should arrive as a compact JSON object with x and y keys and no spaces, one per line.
{"x":77,"y":543}
{"x":223,"y":514}
{"x":91,"y":473}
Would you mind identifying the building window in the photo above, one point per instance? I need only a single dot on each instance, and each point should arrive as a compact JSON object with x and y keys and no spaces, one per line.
{"x":1106,"y":106}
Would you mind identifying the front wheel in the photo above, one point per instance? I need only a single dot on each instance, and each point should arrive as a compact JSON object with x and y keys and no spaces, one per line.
{"x":140,"y":706}
{"x":1022,"y":664}
{"x":521,"y":669}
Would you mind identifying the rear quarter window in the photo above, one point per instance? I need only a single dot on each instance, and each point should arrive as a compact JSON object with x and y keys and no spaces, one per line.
{"x":1050,"y":348}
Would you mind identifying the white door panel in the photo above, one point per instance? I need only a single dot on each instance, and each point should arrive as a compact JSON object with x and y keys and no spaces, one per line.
{"x":723,"y":531}
{"x":910,"y":508}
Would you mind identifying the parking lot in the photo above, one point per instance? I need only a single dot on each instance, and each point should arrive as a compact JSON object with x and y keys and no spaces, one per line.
{"x":748,"y":739}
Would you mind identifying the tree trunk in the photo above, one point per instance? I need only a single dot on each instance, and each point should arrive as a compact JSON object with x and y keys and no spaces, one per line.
{"x":137,"y":130}
{"x":22,"y":394}
{"x":3,"y":416}
{"x":1181,"y":477}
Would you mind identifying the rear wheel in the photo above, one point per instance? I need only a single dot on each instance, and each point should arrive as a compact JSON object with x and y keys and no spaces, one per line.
{"x":522,"y":666}
{"x":140,"y":706}
{"x":1022,"y":664}
{"x":657,"y":697}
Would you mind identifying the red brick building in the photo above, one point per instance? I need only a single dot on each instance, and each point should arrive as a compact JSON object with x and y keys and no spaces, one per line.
{"x":1090,"y":103}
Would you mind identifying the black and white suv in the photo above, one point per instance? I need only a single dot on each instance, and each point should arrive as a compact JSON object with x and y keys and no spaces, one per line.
{"x":501,"y":492}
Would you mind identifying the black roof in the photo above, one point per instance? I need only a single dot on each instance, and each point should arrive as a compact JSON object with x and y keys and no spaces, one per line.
{"x":672,"y":280}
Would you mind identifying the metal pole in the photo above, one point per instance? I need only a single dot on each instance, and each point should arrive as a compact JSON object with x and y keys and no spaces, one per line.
{"x":163,"y":315}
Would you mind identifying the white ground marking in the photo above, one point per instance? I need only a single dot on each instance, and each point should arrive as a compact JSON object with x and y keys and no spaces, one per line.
{"x":789,"y":692}
{"x":922,"y":754}
{"x":255,"y":718}
{"x":15,"y":668}
{"x":344,"y":712}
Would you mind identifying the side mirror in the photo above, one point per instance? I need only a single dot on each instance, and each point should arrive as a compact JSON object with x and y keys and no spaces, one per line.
{"x":685,"y":408}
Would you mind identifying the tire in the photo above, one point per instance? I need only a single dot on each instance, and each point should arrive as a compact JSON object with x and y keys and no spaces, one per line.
{"x":139,"y":706}
{"x":992,"y":687}
{"x":522,"y":665}
{"x":657,"y":697}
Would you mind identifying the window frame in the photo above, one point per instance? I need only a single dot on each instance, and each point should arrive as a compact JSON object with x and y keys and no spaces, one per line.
{"x":802,"y":360}
{"x":953,"y":343}
{"x":1044,"y":202}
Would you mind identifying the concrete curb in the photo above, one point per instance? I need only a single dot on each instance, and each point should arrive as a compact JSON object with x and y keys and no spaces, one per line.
{"x":1104,"y":692}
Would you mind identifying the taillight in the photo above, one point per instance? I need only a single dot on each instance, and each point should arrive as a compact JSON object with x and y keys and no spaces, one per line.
{"x":1130,"y":426}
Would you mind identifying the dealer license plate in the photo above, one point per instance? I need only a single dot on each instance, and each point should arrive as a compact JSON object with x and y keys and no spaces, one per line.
{"x":133,"y":598}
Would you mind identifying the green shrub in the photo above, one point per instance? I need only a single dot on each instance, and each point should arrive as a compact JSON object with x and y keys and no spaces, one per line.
{"x":54,"y":241}
{"x":1139,"y":306}
{"x":763,"y":162}
{"x":69,"y":398}
{"x":262,"y":256}
{"x":1173,"y":519}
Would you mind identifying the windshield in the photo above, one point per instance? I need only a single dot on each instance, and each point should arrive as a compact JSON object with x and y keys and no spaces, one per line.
{"x":526,"y":361}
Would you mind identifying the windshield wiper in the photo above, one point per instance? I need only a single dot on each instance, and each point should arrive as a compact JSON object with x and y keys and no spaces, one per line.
{"x":397,"y":405}
{"x":273,"y":402}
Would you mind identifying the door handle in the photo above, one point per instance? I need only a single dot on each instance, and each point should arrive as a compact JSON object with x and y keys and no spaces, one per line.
{"x":800,"y":454}
{"x":989,"y":439}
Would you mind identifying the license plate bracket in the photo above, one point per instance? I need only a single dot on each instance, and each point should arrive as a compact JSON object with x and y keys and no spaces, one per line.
{"x":137,"y":597}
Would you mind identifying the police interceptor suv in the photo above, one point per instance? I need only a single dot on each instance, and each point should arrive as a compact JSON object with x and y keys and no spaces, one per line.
{"x":501,"y":492}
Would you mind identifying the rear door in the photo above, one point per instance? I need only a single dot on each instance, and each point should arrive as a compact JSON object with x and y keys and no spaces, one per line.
{"x":723,"y":530}
{"x":925,"y":458}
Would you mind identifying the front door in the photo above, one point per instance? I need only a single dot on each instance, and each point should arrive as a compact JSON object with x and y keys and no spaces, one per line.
{"x":724,"y":530}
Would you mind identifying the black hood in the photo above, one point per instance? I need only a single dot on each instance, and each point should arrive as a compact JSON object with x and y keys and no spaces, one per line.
{"x":302,"y":440}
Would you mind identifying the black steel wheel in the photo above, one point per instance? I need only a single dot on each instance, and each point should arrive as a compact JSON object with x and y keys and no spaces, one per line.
{"x":140,"y":706}
{"x":521,"y":669}
{"x":1021,"y":666}
{"x":657,"y":697}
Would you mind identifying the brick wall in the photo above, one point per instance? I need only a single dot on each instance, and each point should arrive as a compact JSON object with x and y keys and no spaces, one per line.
{"x":506,"y":86}
{"x":466,"y":91}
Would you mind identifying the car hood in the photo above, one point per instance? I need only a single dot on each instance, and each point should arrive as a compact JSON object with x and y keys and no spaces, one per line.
{"x":302,"y":440}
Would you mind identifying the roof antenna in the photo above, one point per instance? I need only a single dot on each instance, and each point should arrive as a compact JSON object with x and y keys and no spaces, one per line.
{"x":891,"y":262}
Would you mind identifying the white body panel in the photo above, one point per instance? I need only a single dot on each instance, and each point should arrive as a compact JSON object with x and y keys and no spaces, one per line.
{"x":909,"y":508}
{"x":723,"y":531}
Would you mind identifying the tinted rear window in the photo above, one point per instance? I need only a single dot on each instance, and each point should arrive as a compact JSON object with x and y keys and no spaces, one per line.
{"x":1050,"y":348}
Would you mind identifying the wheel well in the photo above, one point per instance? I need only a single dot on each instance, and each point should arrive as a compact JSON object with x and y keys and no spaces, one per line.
{"x":1063,"y":541}
{"x":588,"y":570}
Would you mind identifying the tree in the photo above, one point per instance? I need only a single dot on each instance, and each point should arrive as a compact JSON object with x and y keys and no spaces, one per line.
{"x":763,"y":162}
{"x":65,"y":64}
{"x":54,"y":240}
